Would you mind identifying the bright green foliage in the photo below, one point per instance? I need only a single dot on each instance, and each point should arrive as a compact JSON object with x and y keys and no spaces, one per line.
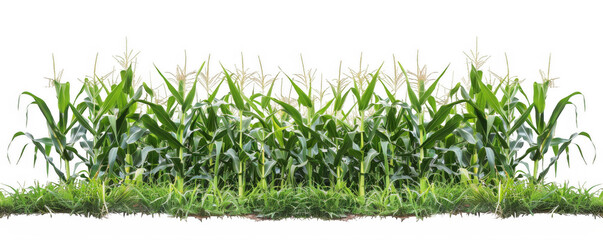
{"x":123,"y":132}
{"x":505,"y":199}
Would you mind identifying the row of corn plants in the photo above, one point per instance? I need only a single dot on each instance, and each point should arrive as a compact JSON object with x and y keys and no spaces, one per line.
{"x":365,"y":130}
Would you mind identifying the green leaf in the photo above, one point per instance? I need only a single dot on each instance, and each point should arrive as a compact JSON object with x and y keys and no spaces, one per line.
{"x":188,"y":101}
{"x":559,"y":109}
{"x":340,"y":100}
{"x":127,"y":77}
{"x":524,"y":116}
{"x":476,"y":79}
{"x":44,"y":109}
{"x":563,"y":148}
{"x":266,"y":98}
{"x":390,"y":96}
{"x":83,"y":121}
{"x":372,"y":153}
{"x":189,"y":98}
{"x":365,"y":100}
{"x":234,"y":91}
{"x":63,"y":96}
{"x":235,"y":158}
{"x":109,"y":102}
{"x":539,"y":97}
{"x":491,"y":157}
{"x":211,"y":97}
{"x":431,"y":88}
{"x":491,"y":100}
{"x":348,"y":141}
{"x":441,"y":133}
{"x":268,"y":165}
{"x":291,"y":111}
{"x":171,"y":88}
{"x":162,"y":116}
{"x":112,"y":157}
{"x":112,"y":123}
{"x":147,"y":89}
{"x":40,"y":148}
{"x":411,"y":94}
{"x":321,"y":111}
{"x":135,"y":134}
{"x":466,"y":135}
{"x":441,"y":115}
{"x":303,"y":98}
{"x":149,"y":123}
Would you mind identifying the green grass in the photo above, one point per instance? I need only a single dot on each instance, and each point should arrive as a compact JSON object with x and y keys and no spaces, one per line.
{"x":516,"y":198}
{"x":239,"y":148}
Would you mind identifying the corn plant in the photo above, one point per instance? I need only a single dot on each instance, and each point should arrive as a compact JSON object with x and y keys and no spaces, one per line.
{"x":124,"y":131}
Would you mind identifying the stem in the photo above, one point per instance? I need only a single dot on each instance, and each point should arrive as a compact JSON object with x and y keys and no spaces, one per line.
{"x":421,"y":88}
{"x":180,"y":138}
{"x":309,"y":164}
{"x":421,"y":139}
{"x":210,"y":148}
{"x":104,"y":193}
{"x":474,"y":162}
{"x":387,"y":171}
{"x":241,"y":165}
{"x":339,"y":180}
{"x":263,"y":182}
{"x":339,"y":170}
{"x":216,"y":175}
{"x":535,"y":174}
{"x":179,"y":178}
{"x":129,"y":162}
{"x":361,"y":183}
{"x":216,"y":169}
{"x":67,"y":170}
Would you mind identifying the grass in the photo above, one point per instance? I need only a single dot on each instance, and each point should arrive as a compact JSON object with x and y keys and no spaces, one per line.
{"x":121,"y":146}
{"x":507,"y":200}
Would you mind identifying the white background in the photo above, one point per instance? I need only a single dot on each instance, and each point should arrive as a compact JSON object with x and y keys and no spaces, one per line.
{"x":325,"y":32}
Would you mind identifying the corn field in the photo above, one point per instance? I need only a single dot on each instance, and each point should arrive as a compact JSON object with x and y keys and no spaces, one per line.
{"x":364,"y":130}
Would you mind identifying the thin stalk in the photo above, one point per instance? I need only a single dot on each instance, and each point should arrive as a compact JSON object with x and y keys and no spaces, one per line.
{"x":339,"y":184}
{"x":241,"y":165}
{"x":67,"y":170}
{"x":263,"y":181}
{"x":216,"y":166}
{"x":210,"y":148}
{"x":129,"y":163}
{"x":309,"y":164}
{"x":361,"y":182}
{"x":535,"y":170}
{"x":421,"y":90}
{"x":474,"y":161}
{"x":421,"y":138}
{"x":387,"y":171}
{"x":179,"y":178}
